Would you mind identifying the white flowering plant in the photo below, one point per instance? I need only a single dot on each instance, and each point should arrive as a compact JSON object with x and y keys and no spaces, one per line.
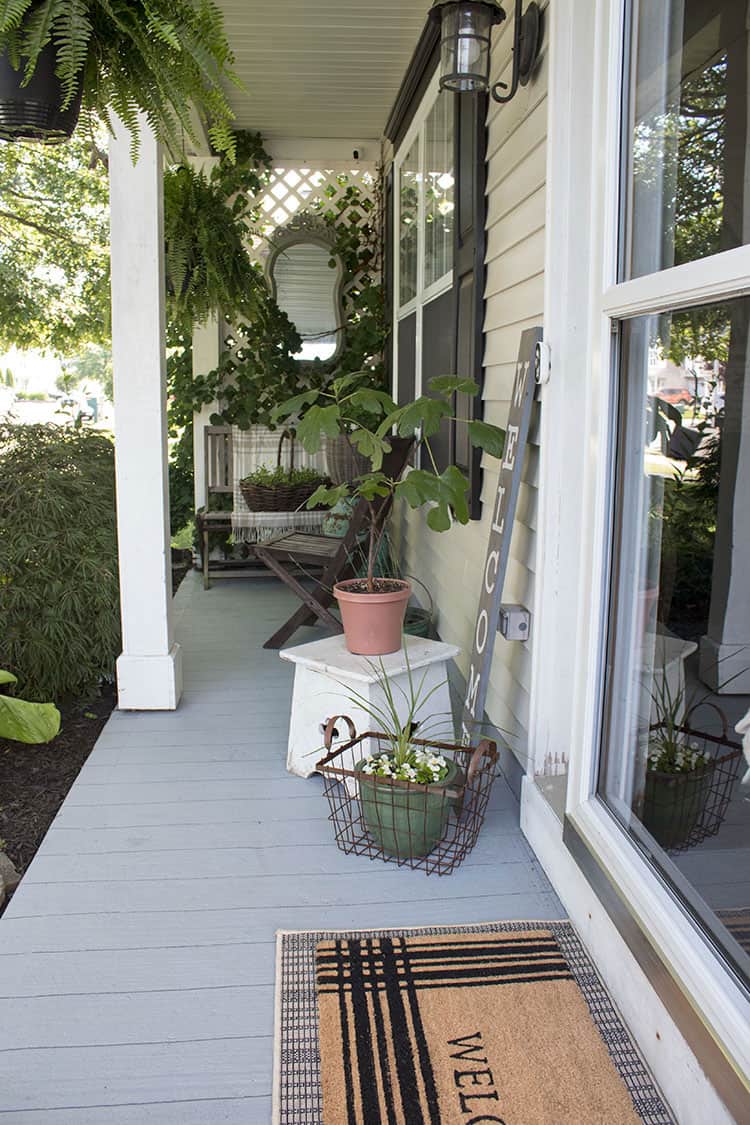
{"x":420,"y":765}
{"x":671,"y":744}
{"x":675,"y":757}
{"x":397,"y":719}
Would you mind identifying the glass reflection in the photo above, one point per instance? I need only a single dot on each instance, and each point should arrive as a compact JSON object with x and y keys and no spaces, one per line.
{"x":686,"y":134}
{"x":439,"y":190}
{"x":679,"y":660}
{"x":306,"y":290}
{"x":408,"y":233}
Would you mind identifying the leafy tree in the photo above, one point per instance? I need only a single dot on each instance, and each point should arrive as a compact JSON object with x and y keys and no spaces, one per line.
{"x":54,"y":246}
{"x":689,"y":141}
{"x":93,"y":364}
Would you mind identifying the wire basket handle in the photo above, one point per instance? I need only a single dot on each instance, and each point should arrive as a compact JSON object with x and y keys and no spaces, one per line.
{"x":419,"y":582}
{"x":686,"y":722}
{"x":484,"y":747}
{"x":330,"y":730}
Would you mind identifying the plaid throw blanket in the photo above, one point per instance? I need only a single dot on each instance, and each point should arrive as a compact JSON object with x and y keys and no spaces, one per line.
{"x":251,"y":449}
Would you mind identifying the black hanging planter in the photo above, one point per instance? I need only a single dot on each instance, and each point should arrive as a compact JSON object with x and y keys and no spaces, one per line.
{"x":34,"y":112}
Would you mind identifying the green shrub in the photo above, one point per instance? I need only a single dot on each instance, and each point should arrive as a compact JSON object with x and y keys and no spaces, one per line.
{"x":59,"y":604}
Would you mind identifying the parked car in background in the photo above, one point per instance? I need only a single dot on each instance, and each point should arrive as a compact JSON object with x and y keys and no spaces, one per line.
{"x":675,"y":395}
{"x":77,"y":407}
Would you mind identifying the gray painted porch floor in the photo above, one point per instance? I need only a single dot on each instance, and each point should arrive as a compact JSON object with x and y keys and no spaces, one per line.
{"x":137,"y":956}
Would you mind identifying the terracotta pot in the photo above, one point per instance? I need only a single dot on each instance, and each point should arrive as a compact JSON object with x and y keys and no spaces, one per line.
{"x":373,"y":623}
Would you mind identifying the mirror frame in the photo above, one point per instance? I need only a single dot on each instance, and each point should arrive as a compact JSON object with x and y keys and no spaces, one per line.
{"x":310,"y":229}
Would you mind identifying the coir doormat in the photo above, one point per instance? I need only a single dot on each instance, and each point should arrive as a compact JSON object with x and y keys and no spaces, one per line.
{"x":506,"y":1022}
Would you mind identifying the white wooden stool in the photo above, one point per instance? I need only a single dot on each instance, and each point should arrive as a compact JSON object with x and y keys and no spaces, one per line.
{"x":326,"y":674}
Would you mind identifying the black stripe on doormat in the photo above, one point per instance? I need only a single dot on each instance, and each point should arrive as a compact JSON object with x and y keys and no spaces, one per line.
{"x":428,"y":1077}
{"x":402,"y":1045}
{"x":344,"y":1018}
{"x":468,"y":983}
{"x":440,"y":973}
{"x":418,"y":952}
{"x":385,"y":1065}
{"x":368,"y":1088}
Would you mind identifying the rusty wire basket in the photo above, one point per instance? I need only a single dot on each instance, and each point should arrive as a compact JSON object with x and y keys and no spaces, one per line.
{"x":431,"y":828}
{"x":681,"y":810}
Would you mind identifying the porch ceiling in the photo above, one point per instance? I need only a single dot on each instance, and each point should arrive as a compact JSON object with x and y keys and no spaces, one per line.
{"x":323,"y":69}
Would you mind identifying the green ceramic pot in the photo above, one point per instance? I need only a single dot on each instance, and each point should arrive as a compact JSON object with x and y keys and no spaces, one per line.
{"x":407,"y":822}
{"x":674,"y":803}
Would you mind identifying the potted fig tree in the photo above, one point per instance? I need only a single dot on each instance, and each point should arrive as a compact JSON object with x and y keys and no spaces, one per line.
{"x":372,"y":608}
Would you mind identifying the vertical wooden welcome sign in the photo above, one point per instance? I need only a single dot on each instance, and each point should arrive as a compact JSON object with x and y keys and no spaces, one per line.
{"x":501,"y":530}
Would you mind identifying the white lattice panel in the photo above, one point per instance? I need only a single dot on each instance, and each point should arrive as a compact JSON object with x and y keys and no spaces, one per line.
{"x":292,"y":190}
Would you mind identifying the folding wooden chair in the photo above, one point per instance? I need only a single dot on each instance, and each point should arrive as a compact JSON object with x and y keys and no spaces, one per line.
{"x":337,"y":556}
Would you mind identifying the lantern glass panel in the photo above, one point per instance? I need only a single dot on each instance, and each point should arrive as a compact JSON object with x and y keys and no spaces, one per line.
{"x":465,"y":47}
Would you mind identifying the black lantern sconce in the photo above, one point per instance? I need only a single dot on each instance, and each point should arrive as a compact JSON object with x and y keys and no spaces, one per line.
{"x":466,"y":27}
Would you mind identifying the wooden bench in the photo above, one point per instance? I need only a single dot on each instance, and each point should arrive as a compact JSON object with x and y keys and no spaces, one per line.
{"x":217,"y":447}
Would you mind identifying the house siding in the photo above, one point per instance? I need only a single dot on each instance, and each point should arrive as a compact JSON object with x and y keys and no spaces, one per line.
{"x":451,"y":564}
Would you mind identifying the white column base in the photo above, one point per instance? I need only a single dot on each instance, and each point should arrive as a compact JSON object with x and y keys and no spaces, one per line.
{"x":725,"y":668}
{"x":149,"y":683}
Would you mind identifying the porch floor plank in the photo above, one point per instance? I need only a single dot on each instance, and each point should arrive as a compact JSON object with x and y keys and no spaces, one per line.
{"x":137,"y":956}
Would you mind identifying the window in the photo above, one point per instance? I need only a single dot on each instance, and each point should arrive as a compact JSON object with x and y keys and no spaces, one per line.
{"x":409,"y":208}
{"x":439,"y":263}
{"x":425,"y":196}
{"x":678,"y":647}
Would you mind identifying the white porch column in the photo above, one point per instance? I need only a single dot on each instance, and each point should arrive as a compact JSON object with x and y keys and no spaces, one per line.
{"x":206,"y":350}
{"x":149,"y":671}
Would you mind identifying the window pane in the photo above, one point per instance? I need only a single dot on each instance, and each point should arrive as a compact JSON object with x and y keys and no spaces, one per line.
{"x":408,"y":186}
{"x":679,"y":649}
{"x":686,"y":134}
{"x":439,"y":184}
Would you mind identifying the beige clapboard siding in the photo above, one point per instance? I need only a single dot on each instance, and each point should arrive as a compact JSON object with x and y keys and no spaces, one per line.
{"x":451,"y":564}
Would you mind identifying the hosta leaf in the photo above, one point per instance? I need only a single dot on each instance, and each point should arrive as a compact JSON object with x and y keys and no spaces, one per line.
{"x":7,"y":677}
{"x":28,"y":722}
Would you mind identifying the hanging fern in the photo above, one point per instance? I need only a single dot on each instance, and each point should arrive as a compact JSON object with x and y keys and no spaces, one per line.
{"x":208,"y":224}
{"x":161,"y":57}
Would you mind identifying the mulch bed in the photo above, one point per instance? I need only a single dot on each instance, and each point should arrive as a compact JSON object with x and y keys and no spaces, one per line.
{"x":34,"y":780}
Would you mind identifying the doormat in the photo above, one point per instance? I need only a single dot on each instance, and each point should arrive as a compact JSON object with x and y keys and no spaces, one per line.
{"x":505,"y":1022}
{"x":738,"y":924}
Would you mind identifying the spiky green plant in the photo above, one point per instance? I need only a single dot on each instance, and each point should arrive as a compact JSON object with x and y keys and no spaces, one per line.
{"x":162,"y":57}
{"x":401,"y":759}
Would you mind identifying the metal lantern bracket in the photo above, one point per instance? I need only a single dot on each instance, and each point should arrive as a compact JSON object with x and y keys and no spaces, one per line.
{"x":526,"y":44}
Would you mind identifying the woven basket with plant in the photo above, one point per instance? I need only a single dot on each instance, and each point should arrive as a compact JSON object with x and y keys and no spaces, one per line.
{"x":281,"y":489}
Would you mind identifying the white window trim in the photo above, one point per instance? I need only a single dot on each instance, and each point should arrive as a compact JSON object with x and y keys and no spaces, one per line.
{"x":581,"y":300}
{"x":443,"y":284}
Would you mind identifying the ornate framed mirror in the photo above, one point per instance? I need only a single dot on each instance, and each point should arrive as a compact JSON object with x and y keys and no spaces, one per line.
{"x":307,"y":288}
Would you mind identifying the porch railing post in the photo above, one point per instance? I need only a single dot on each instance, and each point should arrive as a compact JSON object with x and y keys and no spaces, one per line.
{"x":149,"y":671}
